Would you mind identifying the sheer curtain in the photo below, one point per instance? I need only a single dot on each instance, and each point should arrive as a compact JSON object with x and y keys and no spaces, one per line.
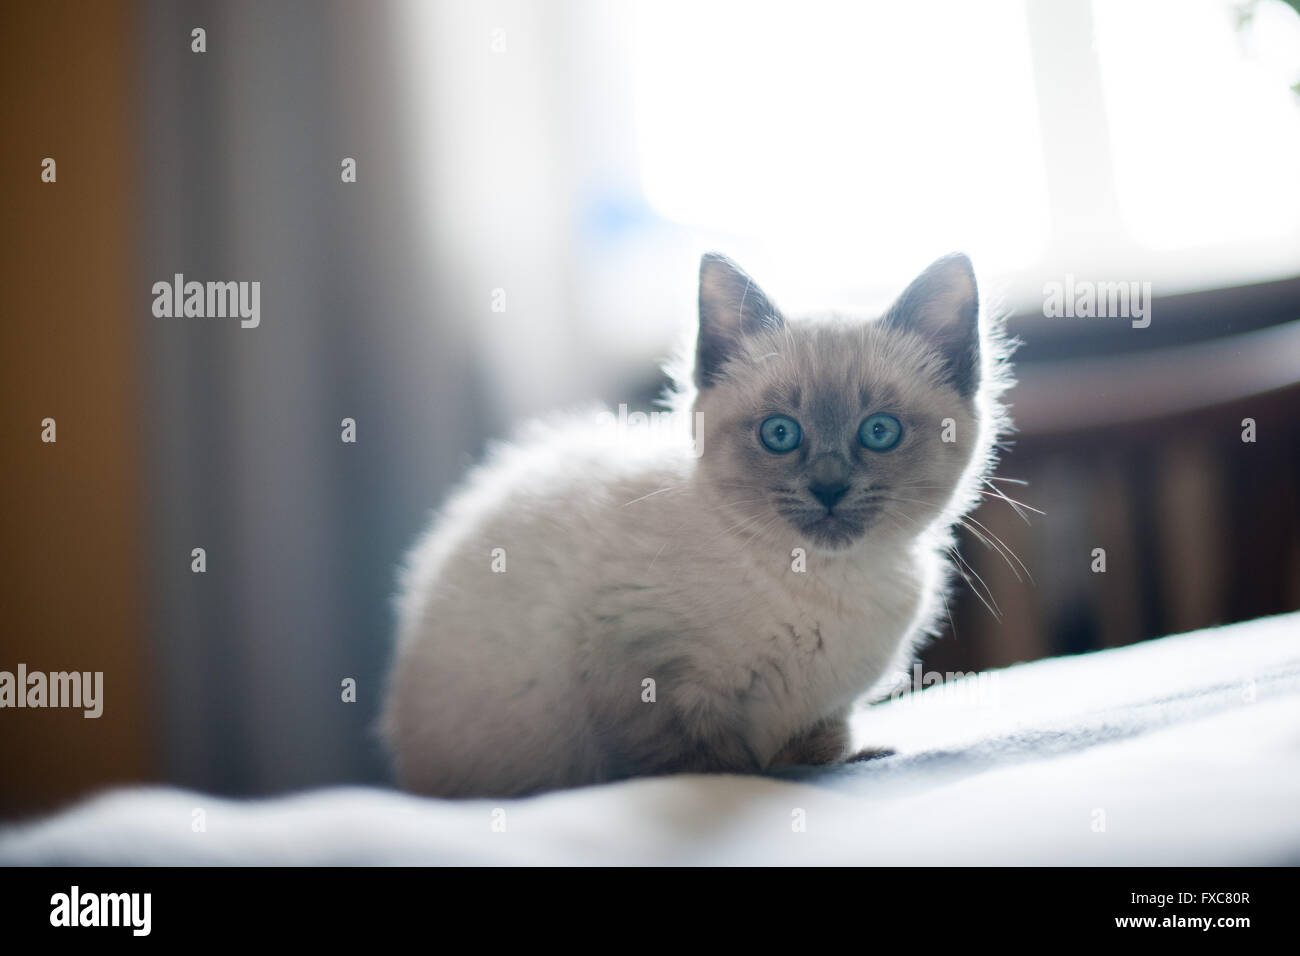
{"x":240,"y":180}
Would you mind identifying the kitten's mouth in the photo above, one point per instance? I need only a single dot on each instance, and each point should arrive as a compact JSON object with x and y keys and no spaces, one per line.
{"x":835,"y":530}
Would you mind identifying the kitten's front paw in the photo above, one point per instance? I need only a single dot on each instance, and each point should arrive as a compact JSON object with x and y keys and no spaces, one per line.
{"x":870,"y":753}
{"x":823,"y":743}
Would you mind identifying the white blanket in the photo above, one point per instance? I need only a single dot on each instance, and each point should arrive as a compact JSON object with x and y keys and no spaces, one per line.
{"x":1184,"y":750}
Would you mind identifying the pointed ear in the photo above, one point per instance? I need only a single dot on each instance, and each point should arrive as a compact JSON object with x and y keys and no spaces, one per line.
{"x":731,"y":307}
{"x":942,"y":306}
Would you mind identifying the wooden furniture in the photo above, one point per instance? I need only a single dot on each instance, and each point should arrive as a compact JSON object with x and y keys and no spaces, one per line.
{"x":1134,"y":444}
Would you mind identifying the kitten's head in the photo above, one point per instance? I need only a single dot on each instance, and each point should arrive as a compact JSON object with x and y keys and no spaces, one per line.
{"x":837,"y":431}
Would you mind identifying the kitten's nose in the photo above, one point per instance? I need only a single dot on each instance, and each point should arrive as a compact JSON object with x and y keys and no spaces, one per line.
{"x":829,"y":478}
{"x":829,"y":494}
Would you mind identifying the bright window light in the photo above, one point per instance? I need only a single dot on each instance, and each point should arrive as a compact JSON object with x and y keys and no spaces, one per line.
{"x":844,"y":134}
{"x":847,"y":137}
{"x":1206,"y":129}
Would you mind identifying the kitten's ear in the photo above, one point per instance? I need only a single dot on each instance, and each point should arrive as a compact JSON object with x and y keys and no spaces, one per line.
{"x":942,"y":306}
{"x":731,"y":307}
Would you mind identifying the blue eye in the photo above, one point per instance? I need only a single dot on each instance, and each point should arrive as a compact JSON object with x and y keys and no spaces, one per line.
{"x":880,"y":432}
{"x":780,"y":434}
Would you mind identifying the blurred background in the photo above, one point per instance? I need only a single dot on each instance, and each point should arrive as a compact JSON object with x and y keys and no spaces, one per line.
{"x":534,"y":184}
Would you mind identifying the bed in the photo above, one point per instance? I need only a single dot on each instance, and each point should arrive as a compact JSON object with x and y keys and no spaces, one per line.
{"x":1180,"y":751}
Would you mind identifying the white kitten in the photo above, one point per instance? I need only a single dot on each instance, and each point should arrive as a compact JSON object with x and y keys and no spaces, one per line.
{"x":586,"y":609}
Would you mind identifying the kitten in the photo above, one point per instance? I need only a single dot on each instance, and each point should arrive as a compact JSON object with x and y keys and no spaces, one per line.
{"x":581,"y":613}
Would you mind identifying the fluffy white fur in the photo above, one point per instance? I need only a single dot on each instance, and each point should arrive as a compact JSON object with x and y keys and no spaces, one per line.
{"x":630,"y":559}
